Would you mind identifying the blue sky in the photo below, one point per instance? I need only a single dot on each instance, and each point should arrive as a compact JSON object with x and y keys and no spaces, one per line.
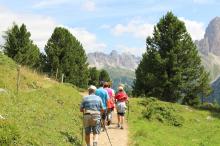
{"x":104,"y":25}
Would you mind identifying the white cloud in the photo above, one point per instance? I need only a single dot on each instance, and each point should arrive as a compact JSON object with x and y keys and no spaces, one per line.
{"x":89,"y":5}
{"x":88,"y":39}
{"x":41,"y":29}
{"x":135,"y":27}
{"x":140,"y":29}
{"x":195,"y":28}
{"x":48,"y":3}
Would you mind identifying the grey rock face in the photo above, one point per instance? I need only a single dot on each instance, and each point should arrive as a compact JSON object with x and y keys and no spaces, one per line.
{"x":114,"y":59}
{"x":211,"y":41}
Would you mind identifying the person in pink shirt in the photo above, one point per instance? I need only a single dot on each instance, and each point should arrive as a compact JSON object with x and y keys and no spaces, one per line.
{"x":110,"y":104}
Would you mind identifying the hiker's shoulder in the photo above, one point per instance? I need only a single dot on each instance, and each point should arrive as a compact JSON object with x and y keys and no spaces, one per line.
{"x":101,"y":90}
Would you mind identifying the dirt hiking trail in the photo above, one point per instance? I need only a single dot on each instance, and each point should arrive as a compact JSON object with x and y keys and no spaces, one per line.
{"x":117,"y":136}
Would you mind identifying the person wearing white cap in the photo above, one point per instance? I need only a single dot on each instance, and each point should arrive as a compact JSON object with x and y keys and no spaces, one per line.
{"x":91,"y":107}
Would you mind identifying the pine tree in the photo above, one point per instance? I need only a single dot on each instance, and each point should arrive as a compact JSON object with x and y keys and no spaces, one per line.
{"x":171,"y":68}
{"x":104,"y":76}
{"x":65,"y":55}
{"x":93,"y":76}
{"x":20,"y":47}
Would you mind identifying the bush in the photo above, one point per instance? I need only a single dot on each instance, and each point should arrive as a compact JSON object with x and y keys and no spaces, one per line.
{"x":8,"y":133}
{"x":213,"y":107}
{"x":164,"y":113}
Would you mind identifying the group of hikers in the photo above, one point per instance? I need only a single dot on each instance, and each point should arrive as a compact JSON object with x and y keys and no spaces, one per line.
{"x":97,"y":109}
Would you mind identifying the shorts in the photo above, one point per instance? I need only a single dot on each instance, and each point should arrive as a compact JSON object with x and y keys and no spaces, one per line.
{"x":121,"y":114}
{"x":121,"y":107}
{"x":92,"y":123}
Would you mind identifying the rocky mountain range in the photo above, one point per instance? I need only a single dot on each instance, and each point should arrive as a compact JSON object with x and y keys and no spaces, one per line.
{"x":113,"y":60}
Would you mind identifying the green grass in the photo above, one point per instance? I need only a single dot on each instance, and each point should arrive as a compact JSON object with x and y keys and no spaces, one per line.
{"x":196,"y":130}
{"x":45,"y":112}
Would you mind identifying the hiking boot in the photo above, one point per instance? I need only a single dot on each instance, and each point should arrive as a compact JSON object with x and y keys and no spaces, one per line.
{"x":121,"y":127}
{"x":94,"y":143}
{"x":118,"y":126}
{"x":102,"y":129}
{"x":108,"y":123}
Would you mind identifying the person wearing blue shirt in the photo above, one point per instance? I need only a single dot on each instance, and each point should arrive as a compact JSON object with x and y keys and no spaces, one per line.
{"x":103,"y":94}
{"x":91,"y":107}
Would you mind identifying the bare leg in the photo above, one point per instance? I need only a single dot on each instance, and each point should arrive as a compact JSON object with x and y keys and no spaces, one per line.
{"x":122,"y":120}
{"x":95,"y":139}
{"x":118,"y":119}
{"x":87,"y":138}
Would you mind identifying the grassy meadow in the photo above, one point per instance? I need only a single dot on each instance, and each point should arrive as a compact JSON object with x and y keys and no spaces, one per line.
{"x":44,"y":112}
{"x":157,"y":123}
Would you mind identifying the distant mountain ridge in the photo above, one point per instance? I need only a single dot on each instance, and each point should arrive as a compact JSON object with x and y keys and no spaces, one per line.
{"x":114,"y":60}
{"x":209,"y":48}
{"x":120,"y":67}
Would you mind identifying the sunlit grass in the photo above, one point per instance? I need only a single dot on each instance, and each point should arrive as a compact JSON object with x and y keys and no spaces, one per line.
{"x":200,"y":128}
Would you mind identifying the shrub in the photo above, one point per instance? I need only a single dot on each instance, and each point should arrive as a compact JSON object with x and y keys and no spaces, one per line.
{"x":213,"y":107}
{"x":8,"y":133}
{"x":164,"y":113}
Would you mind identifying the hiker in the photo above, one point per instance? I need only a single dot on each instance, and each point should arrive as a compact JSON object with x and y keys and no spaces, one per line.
{"x":91,"y":107}
{"x":103,"y":94}
{"x":121,"y":98}
{"x":110,"y":103}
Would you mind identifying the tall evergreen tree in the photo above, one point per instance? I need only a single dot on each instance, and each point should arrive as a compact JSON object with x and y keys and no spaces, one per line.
{"x":104,"y":76}
{"x":171,"y":68}
{"x":93,"y":76}
{"x":65,"y":54}
{"x":20,"y":47}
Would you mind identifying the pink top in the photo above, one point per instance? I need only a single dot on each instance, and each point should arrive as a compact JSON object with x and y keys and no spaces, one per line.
{"x":111,"y":97}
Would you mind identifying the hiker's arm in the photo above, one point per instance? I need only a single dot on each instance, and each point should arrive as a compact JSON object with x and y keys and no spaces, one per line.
{"x":107,"y":98}
{"x":82,"y":106}
{"x":82,"y":110}
{"x":101,"y":107}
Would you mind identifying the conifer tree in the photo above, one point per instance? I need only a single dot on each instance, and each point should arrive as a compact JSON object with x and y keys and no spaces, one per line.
{"x":104,"y":76}
{"x":171,"y":68}
{"x":65,"y":55}
{"x":93,"y":76}
{"x":20,"y":47}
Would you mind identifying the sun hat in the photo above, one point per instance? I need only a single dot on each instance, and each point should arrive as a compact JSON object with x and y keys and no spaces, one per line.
{"x":91,"y":87}
{"x":120,"y":88}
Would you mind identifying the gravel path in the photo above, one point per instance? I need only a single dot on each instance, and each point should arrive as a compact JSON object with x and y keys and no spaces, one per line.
{"x":117,"y":136}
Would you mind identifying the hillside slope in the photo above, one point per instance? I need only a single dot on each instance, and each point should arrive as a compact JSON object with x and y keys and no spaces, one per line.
{"x":157,"y":123}
{"x":44,"y":112}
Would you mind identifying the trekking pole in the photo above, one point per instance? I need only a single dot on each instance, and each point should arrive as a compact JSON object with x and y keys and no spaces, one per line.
{"x":82,"y":129}
{"x":128,"y":111}
{"x":106,"y":132}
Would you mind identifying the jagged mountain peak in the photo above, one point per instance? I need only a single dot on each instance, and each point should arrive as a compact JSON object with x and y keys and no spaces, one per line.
{"x":114,"y":59}
{"x":211,"y":41}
